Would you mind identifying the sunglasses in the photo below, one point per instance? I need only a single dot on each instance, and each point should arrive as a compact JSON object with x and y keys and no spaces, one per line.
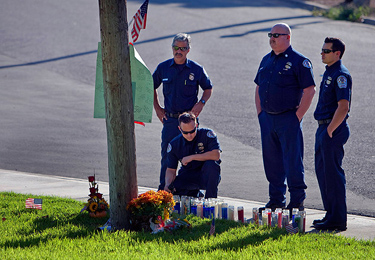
{"x":188,"y":132}
{"x":276,"y":35}
{"x":176,"y":48}
{"x":327,"y":51}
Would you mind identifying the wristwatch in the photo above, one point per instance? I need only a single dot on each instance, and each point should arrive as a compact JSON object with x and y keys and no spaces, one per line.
{"x":203,"y":101}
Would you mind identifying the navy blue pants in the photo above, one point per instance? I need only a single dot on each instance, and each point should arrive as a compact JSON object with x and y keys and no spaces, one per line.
{"x":207,"y":178}
{"x":329,"y":153}
{"x":170,"y":130}
{"x":282,"y":147}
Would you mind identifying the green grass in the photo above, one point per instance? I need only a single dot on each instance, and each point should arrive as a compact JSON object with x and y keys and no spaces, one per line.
{"x":344,"y":12}
{"x":59,"y":231}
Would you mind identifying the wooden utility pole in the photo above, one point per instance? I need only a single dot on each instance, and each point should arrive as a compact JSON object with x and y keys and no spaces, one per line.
{"x":119,"y":110}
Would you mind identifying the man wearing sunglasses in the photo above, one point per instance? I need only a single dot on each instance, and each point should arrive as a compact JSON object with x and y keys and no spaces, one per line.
{"x":284,"y":91}
{"x":331,"y":113}
{"x":198,"y":151}
{"x":181,"y":80}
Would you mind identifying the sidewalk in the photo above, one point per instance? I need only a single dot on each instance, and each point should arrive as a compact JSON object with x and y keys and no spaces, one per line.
{"x":359,"y":227}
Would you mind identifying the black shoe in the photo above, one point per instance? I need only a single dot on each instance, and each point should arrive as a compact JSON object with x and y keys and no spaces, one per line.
{"x":330,"y":226}
{"x":272,"y":206}
{"x":292,"y":206}
{"x":316,"y":221}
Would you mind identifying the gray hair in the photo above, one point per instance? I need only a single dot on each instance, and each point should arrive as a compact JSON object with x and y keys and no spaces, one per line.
{"x":182,"y":37}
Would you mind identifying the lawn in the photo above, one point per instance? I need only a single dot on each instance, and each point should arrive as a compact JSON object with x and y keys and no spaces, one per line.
{"x":60,"y":231}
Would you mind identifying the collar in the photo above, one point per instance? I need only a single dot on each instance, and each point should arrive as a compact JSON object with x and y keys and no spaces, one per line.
{"x":285,"y":54}
{"x":334,"y":66}
{"x":187,"y":63}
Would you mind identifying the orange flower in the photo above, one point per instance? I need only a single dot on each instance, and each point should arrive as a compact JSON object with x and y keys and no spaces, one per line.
{"x":152,"y":203}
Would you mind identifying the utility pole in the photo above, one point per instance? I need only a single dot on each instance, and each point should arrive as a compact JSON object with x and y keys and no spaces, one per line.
{"x":119,"y":110}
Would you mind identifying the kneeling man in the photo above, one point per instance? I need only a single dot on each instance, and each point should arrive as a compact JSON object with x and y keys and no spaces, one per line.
{"x":198,"y":150}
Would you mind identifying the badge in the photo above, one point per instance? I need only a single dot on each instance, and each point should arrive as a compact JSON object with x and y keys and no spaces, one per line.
{"x":211,"y":134}
{"x":306,"y":63}
{"x":191,"y":76}
{"x":169,"y":148}
{"x":329,"y":80}
{"x":342,"y":82}
{"x":288,"y":65}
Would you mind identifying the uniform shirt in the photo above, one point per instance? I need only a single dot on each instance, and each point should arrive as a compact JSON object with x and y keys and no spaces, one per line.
{"x":336,"y":85}
{"x":180,"y":84}
{"x":204,"y":141}
{"x":281,"y":80}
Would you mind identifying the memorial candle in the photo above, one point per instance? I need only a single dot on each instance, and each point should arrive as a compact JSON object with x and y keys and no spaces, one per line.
{"x":240,"y":211}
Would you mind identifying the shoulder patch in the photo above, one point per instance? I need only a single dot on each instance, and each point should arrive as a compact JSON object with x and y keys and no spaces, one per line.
{"x":169,"y":148}
{"x":211,"y":134}
{"x":307,"y":64}
{"x":342,"y":82}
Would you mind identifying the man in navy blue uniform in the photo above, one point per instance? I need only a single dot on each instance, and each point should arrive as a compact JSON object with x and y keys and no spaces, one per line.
{"x":284,"y":91}
{"x":198,"y":151}
{"x":181,"y":79}
{"x":331,"y":112}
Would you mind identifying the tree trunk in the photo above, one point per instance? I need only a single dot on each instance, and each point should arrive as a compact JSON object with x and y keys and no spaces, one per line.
{"x":119,"y":110}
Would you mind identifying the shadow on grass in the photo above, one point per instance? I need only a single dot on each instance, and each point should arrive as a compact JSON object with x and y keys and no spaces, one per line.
{"x":239,"y":237}
{"x":59,"y":218}
{"x":49,"y":227}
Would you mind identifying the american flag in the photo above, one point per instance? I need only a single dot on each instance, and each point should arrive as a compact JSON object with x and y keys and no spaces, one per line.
{"x":212,"y":229}
{"x":291,"y":229}
{"x":139,"y":21}
{"x":33,"y":203}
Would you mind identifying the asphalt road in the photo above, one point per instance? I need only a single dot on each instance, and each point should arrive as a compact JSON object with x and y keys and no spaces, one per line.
{"x":47,"y":77}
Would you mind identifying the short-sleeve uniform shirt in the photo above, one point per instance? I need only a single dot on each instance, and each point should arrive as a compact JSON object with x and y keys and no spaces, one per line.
{"x":180,"y":84}
{"x":281,"y":80}
{"x":204,"y":141}
{"x":336,"y":85}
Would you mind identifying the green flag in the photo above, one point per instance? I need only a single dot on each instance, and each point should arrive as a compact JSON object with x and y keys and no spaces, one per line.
{"x":142,"y":86}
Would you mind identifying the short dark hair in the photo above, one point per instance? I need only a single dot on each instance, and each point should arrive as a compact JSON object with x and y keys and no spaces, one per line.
{"x":337,"y":44}
{"x":186,"y":118}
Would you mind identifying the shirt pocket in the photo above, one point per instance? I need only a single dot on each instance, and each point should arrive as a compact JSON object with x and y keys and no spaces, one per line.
{"x":286,"y":79}
{"x":328,"y":95}
{"x":167,"y":86}
{"x":190,"y":88}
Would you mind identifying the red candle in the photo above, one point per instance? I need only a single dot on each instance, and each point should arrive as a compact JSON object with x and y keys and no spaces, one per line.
{"x":241,"y":214}
{"x":269,"y":218}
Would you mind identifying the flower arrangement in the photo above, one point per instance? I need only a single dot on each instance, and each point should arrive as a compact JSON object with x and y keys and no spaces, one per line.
{"x":152,"y":204}
{"x":96,"y":204}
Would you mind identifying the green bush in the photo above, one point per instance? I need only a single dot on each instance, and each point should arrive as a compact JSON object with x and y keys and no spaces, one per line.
{"x":344,"y":12}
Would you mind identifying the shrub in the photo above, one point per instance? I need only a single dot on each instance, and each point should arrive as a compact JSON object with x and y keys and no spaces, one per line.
{"x":344,"y":12}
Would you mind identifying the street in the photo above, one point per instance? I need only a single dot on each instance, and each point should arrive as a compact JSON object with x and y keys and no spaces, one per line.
{"x":47,"y":82}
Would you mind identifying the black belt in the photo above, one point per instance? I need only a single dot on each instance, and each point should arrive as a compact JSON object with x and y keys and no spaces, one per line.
{"x":281,"y":112}
{"x":172,"y":115}
{"x":324,"y":121}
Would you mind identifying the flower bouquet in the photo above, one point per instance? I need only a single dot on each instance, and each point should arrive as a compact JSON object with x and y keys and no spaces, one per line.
{"x":150,"y":207}
{"x":96,"y":204}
